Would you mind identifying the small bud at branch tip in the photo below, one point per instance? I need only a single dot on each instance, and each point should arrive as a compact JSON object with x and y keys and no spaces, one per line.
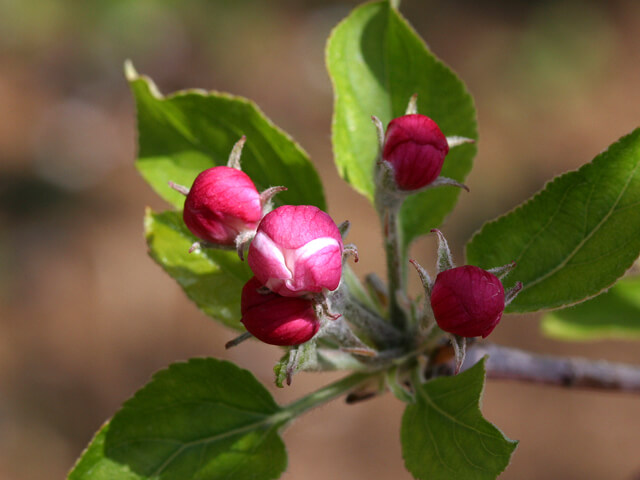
{"x":416,"y":148}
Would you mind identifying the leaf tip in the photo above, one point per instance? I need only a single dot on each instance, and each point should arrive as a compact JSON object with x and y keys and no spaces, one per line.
{"x":148,"y":221}
{"x":130,"y":72}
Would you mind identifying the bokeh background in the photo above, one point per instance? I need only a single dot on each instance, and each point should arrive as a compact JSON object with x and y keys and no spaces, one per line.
{"x":86,"y":317}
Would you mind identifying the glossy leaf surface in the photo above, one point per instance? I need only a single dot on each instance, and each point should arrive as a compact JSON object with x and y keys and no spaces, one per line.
{"x":213,"y":279}
{"x":445,"y":436}
{"x":377,"y":62}
{"x":573,"y":239}
{"x":189,"y":131}
{"x":613,"y":314}
{"x":205,"y":419}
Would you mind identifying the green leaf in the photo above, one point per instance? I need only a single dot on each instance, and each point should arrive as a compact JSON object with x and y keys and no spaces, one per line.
{"x":94,"y":465}
{"x":613,"y":314}
{"x":205,"y":419}
{"x":573,"y":239}
{"x":213,"y":279}
{"x":187,"y":132}
{"x":445,"y":436}
{"x":376,"y":62}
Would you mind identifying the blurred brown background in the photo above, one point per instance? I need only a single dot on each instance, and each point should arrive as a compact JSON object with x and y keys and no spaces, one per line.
{"x":86,"y":317}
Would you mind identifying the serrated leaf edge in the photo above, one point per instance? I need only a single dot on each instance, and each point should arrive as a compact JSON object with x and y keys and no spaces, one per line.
{"x":132,"y":76}
{"x":478,"y":406}
{"x":273,"y":420}
{"x":531,"y":199}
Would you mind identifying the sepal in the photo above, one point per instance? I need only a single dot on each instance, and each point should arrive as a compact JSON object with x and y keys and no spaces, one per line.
{"x":459,"y":345}
{"x":502,"y":271}
{"x":445,"y":262}
{"x":512,"y":293}
{"x":412,"y":106}
{"x":236,"y":153}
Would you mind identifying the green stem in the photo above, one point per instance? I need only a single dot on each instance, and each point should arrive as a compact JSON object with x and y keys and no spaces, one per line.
{"x":393,"y":249}
{"x":326,"y":394}
{"x":376,"y":327}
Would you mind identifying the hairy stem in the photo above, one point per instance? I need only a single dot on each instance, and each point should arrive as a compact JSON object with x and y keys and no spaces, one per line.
{"x":380,"y":331}
{"x":513,"y":364}
{"x":393,"y":250}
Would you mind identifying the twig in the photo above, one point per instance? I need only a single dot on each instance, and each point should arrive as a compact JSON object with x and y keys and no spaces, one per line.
{"x":514,"y":364}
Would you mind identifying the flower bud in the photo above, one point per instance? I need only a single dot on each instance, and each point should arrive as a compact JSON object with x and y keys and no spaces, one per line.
{"x":277,"y":320}
{"x":467,"y":301}
{"x":415,"y":147}
{"x":297,"y":250}
{"x":222,"y":203}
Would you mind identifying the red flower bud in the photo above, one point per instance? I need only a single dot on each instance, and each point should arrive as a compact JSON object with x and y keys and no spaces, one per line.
{"x":297,"y":250}
{"x":415,"y":147}
{"x":277,"y":320}
{"x":467,"y":301}
{"x":222,"y":203}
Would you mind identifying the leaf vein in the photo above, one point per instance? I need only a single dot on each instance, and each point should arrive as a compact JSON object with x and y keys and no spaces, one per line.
{"x":204,"y":441}
{"x":425,"y":395}
{"x":546,"y":225}
{"x":587,"y":237}
{"x":464,"y":454}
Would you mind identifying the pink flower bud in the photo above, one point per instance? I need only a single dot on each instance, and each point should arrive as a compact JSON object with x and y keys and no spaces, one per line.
{"x":467,"y":301}
{"x":277,"y":320}
{"x":297,"y":250}
{"x":415,"y":147}
{"x":222,"y":203}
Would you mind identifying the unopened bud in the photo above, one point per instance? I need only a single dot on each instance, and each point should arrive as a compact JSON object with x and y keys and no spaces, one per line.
{"x":222,"y":203}
{"x":277,"y":320}
{"x":415,"y":147}
{"x":467,"y":301}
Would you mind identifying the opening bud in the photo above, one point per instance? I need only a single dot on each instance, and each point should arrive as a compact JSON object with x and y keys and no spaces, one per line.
{"x":297,"y":250}
{"x":415,"y":147}
{"x":277,"y":320}
{"x":222,"y":204}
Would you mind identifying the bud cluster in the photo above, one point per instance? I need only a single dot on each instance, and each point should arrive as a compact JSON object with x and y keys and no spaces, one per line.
{"x":297,"y":256}
{"x":294,"y":251}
